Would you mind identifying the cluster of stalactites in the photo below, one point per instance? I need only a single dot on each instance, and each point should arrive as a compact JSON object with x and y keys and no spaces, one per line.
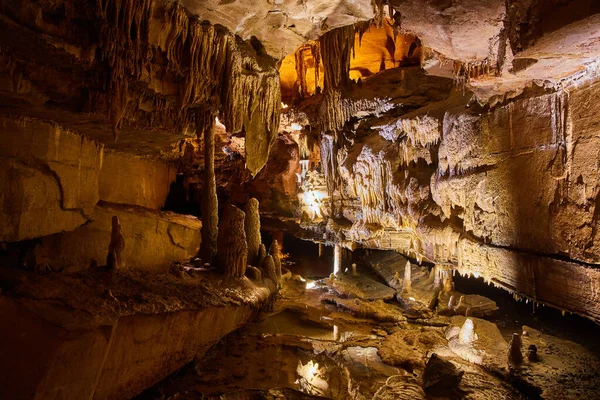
{"x":464,"y":72}
{"x":337,"y":47}
{"x":212,"y":65}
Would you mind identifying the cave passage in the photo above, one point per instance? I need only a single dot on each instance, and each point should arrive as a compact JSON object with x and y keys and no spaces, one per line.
{"x":353,"y":200}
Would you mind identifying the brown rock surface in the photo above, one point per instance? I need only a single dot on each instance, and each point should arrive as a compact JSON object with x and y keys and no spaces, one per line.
{"x":135,"y":180}
{"x":49,"y":177}
{"x":153,"y":240}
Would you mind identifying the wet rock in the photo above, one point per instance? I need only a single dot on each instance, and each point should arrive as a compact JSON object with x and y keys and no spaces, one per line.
{"x":441,"y":376}
{"x":232,"y":251}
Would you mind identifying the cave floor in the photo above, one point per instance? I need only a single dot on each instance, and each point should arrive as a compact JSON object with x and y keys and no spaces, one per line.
{"x":309,"y":348}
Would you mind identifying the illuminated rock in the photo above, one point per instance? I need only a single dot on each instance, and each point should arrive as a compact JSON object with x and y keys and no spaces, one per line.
{"x":48,"y":177}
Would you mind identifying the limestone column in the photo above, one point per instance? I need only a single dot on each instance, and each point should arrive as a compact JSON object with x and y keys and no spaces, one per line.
{"x":321,"y":246}
{"x":233,"y":248}
{"x":337,"y":259}
{"x":252,"y":227}
{"x":205,"y":122}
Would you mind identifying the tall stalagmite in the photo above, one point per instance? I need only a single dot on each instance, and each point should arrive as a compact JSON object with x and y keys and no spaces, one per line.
{"x":210,"y":203}
{"x":232,"y":250}
{"x":252,"y":226}
{"x":275,"y":252}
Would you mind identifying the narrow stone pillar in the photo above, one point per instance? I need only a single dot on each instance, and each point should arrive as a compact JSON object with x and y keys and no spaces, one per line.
{"x":275,"y":252}
{"x":115,"y":247}
{"x":233,"y":249}
{"x":337,"y":259}
{"x":407,"y":282}
{"x":252,"y":227}
{"x":205,"y":122}
{"x":321,"y":246}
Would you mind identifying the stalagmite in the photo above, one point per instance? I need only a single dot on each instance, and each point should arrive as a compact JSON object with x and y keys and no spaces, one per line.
{"x":262,"y":254}
{"x":117,"y":244}
{"x":452,"y":302}
{"x":321,"y":246}
{"x":467,"y":333}
{"x":354,"y":273}
{"x":232,"y":250}
{"x":268,"y":269}
{"x":210,"y":202}
{"x":337,"y":259}
{"x":515,"y":357}
{"x":407,"y":282}
{"x":275,"y":252}
{"x":252,"y":227}
{"x":448,"y":284}
{"x":253,"y":273}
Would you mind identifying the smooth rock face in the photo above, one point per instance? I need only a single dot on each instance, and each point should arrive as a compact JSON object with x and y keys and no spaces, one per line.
{"x":152,"y":240}
{"x":135,"y":180}
{"x":48,"y":178}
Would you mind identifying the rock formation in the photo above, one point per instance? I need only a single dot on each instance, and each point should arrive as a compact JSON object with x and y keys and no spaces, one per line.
{"x":210,"y":204}
{"x":268,"y":269}
{"x":232,"y":254}
{"x":275,"y":253}
{"x":515,"y":356}
{"x":114,"y":260}
{"x":252,"y":227}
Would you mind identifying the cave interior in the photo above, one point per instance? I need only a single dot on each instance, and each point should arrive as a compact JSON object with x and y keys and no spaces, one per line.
{"x":299,"y":199}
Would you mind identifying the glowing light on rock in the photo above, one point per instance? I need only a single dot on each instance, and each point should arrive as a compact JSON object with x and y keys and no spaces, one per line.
{"x":296,"y":126}
{"x":337,"y":259}
{"x":310,"y":285}
{"x":467,"y":333}
{"x":312,"y":201}
{"x":219,"y":124}
{"x":283,"y":106}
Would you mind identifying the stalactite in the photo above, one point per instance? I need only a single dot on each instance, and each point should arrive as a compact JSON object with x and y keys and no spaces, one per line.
{"x":205,"y":121}
{"x":252,"y":227}
{"x":336,"y":49}
{"x":233,"y":249}
{"x":212,"y":64}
